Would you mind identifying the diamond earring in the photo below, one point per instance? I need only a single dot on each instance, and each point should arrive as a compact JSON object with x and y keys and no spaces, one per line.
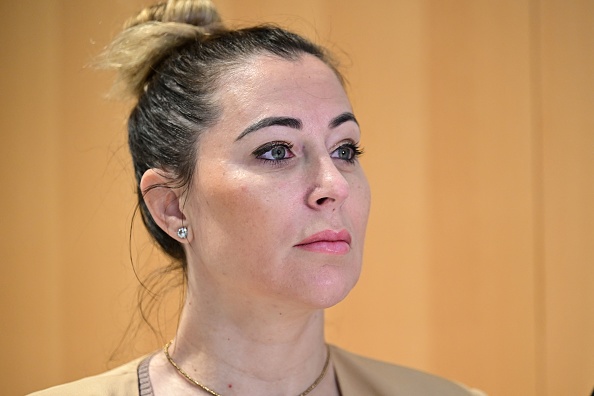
{"x":182,"y":232}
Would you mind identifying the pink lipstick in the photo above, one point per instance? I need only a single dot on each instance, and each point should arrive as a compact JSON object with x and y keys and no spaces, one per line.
{"x":327,"y":241}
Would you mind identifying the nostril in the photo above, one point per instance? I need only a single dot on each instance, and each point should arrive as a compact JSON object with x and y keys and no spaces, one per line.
{"x":321,"y":200}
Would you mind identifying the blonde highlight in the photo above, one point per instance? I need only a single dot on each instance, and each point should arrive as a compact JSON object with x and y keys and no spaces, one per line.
{"x":150,"y":36}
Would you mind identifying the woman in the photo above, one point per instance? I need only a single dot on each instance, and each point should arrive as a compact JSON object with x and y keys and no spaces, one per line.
{"x":245,"y":150}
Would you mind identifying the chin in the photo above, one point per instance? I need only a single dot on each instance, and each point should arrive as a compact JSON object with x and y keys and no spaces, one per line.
{"x":331,"y":287}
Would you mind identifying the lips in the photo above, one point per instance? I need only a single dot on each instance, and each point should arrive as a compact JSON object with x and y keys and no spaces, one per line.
{"x":327,"y":241}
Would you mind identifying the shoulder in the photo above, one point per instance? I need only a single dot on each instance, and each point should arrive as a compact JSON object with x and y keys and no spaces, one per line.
{"x":358,"y":375}
{"x":121,"y":381}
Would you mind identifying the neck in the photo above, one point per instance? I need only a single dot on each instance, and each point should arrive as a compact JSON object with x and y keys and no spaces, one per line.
{"x":251,"y":347}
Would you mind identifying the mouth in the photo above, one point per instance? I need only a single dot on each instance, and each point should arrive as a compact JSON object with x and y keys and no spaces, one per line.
{"x":327,"y":241}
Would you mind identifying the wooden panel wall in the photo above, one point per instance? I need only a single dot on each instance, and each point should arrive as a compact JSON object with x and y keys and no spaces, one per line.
{"x":566,"y":65}
{"x":479,"y":136}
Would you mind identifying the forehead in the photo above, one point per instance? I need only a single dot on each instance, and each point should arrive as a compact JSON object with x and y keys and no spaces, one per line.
{"x":268,"y":85}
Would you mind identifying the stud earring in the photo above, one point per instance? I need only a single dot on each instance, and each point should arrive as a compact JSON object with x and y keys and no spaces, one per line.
{"x":182,"y":232}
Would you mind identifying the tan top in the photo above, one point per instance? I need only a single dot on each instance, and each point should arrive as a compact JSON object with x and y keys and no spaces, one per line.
{"x":355,"y":374}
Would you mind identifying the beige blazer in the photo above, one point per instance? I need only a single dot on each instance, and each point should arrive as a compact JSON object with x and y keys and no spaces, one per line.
{"x":356,"y":375}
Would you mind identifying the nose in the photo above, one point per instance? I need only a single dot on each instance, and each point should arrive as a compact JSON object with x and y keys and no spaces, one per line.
{"x":330,"y":188}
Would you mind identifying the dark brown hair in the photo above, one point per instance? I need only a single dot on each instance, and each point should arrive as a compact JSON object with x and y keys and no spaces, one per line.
{"x":171,"y":58}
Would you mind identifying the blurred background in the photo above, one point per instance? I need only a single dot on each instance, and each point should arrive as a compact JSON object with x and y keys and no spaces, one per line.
{"x":478,"y":127}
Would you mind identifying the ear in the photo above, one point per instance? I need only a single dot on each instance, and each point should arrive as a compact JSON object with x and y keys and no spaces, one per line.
{"x":164,"y":203}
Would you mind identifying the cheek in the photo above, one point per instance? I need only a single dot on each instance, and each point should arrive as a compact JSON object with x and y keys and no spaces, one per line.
{"x":361,"y":200}
{"x":233,"y":206}
{"x":244,"y":207}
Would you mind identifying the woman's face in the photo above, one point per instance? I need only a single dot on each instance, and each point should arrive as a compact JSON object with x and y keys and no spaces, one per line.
{"x":279,"y":202}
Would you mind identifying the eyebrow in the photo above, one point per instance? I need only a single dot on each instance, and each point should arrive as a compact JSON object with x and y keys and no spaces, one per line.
{"x":341,"y":119}
{"x":294,"y":123}
{"x":271,"y":121}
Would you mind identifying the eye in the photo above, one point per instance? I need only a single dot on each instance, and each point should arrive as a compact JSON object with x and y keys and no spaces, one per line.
{"x":277,"y":153}
{"x":347,"y":152}
{"x":274,"y":151}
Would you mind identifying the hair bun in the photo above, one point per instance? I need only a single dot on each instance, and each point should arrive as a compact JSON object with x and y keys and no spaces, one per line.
{"x":200,"y":13}
{"x":151,"y":36}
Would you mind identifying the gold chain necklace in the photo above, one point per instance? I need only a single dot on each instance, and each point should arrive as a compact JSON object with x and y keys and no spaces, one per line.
{"x":212,"y":392}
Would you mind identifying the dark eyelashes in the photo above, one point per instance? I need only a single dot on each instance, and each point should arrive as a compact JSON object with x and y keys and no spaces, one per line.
{"x":347,"y":151}
{"x":352,"y":153}
{"x":266,"y":147}
{"x":357,"y":150}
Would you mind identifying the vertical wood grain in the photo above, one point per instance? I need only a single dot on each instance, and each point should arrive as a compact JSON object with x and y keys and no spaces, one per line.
{"x":479,"y":134}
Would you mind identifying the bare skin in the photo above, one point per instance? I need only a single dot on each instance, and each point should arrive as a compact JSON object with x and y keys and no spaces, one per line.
{"x":253,"y":319}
